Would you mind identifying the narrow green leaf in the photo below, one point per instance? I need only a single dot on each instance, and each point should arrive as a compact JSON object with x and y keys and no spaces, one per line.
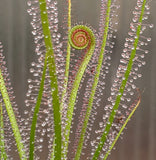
{"x":53,"y":78}
{"x":77,"y":80}
{"x":67,"y":58}
{"x":122,"y":87}
{"x":94,"y":86}
{"x":12,"y":118}
{"x":2,"y":144}
{"x":36,"y":110}
{"x":122,"y":128}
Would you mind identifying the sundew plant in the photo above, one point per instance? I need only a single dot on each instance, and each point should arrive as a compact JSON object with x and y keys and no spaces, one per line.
{"x":69,"y":114}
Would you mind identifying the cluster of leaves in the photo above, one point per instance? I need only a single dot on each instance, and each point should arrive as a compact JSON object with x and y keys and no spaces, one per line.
{"x":65,"y":64}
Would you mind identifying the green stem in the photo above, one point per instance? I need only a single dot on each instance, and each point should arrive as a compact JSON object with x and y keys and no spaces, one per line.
{"x":36,"y":110}
{"x":2,"y":144}
{"x":74,"y":90}
{"x":12,"y":118}
{"x":67,"y":62}
{"x":67,"y":58}
{"x":122,"y":128}
{"x":94,"y":86}
{"x":122,"y":87}
{"x":53,"y":78}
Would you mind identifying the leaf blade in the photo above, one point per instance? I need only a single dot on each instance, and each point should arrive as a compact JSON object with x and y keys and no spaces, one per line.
{"x":94,"y":86}
{"x":122,"y":87}
{"x":12,"y":118}
{"x":122,"y":128}
{"x":2,"y":143}
{"x":53,"y":77}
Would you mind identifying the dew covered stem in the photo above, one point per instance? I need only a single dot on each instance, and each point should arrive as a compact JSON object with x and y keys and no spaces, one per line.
{"x":80,"y":37}
{"x":67,"y":58}
{"x":122,"y":87}
{"x":53,"y":77}
{"x":122,"y":128}
{"x":96,"y":79}
{"x":2,"y":143}
{"x":12,"y":118}
{"x":36,"y":110}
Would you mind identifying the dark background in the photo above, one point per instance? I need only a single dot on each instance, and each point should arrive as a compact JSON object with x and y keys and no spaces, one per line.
{"x":139,"y":140}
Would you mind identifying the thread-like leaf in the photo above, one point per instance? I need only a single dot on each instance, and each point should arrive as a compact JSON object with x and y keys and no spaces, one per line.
{"x":122,"y":128}
{"x":53,"y":78}
{"x":67,"y":58}
{"x":2,"y":143}
{"x":12,"y":118}
{"x":96,"y":79}
{"x":50,"y":60}
{"x":36,"y":110}
{"x":91,"y":44}
{"x":122,"y":87}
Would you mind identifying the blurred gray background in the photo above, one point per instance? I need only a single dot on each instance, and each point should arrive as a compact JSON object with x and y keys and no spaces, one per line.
{"x":139,"y":139}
